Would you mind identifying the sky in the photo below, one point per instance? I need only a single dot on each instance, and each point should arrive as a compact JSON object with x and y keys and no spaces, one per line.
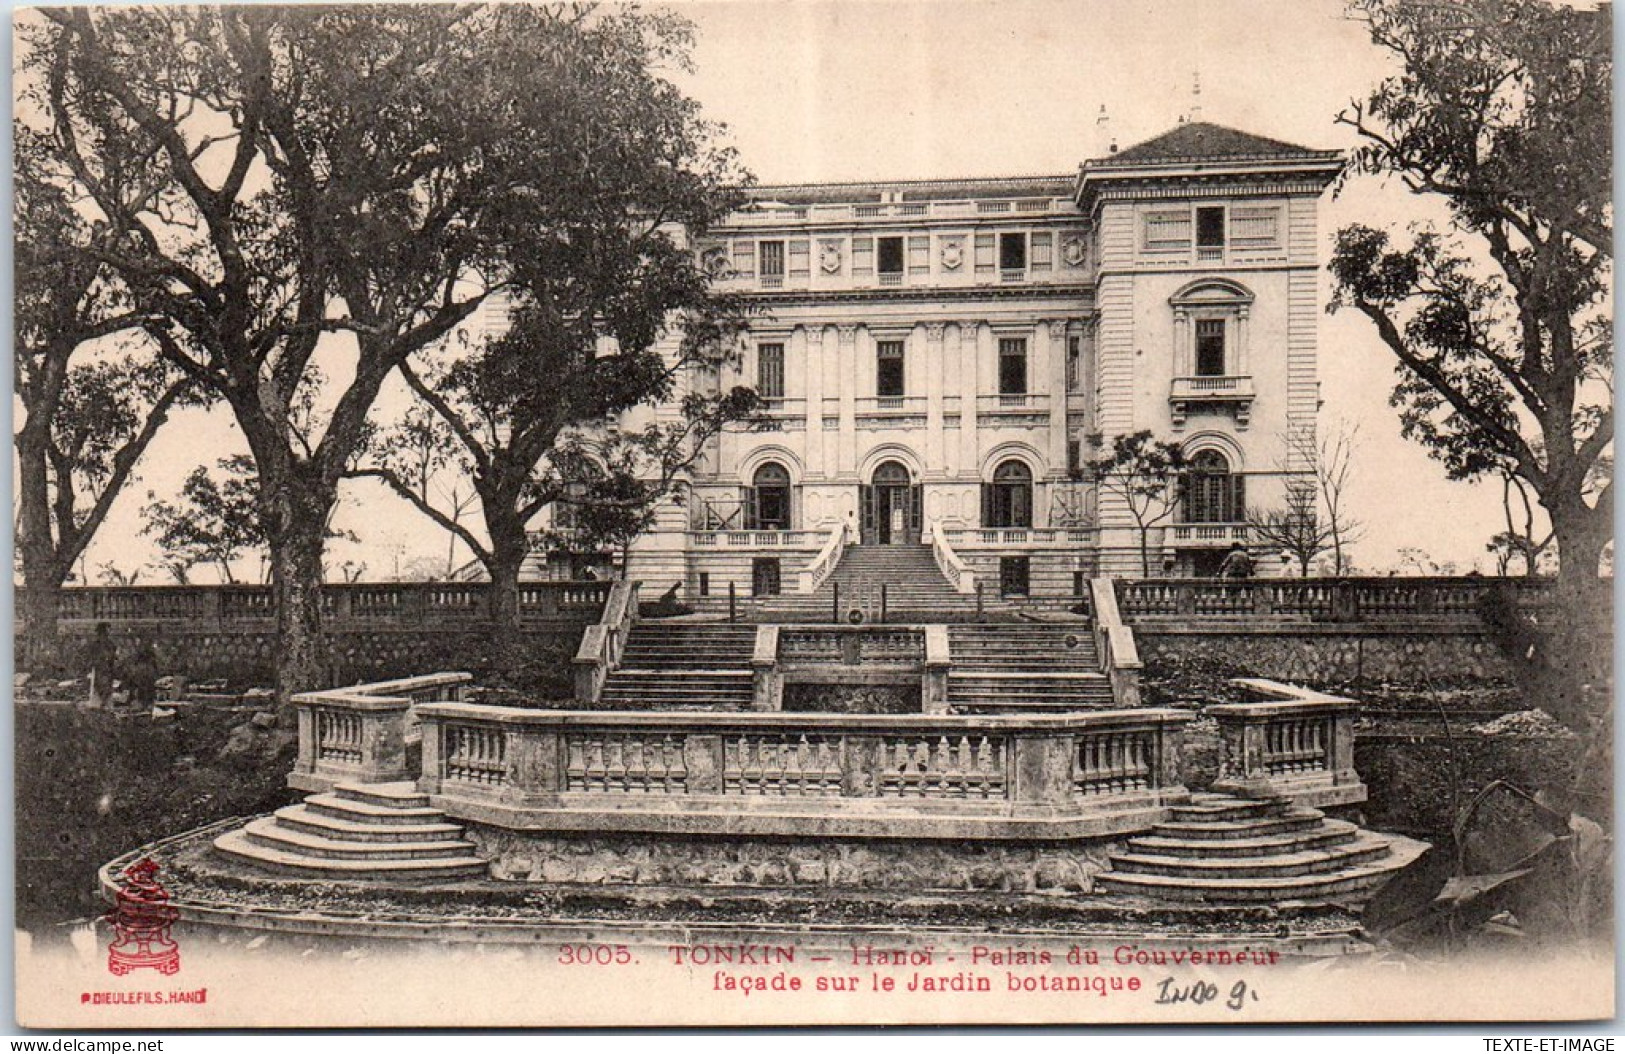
{"x":813,"y":90}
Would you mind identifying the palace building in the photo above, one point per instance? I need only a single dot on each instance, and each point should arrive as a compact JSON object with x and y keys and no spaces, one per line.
{"x":943,"y":359}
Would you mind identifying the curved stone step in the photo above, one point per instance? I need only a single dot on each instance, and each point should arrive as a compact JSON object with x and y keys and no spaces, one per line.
{"x":1229,"y":809}
{"x":1337,"y":886}
{"x":401,"y":795}
{"x":236,"y":845}
{"x":364,"y":812}
{"x":1324,"y":835}
{"x":1357,"y":853}
{"x":268,"y":831}
{"x":301,"y":818}
{"x":1289,"y":820}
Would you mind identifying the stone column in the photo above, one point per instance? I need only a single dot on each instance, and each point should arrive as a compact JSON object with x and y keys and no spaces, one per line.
{"x":969,"y":387}
{"x":1055,"y":333}
{"x":847,"y":459}
{"x":810,"y":346}
{"x":1183,"y":367}
{"x":934,"y":439}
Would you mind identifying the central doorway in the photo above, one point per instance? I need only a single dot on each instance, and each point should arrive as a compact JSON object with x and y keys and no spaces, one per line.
{"x":891,"y":506}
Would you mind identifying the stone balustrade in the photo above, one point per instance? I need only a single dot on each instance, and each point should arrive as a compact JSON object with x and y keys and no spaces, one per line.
{"x":1373,"y":600}
{"x":364,"y":733}
{"x":1114,"y":643}
{"x":346,"y":606}
{"x":603,"y":643}
{"x":888,"y":776}
{"x":821,"y":566}
{"x":1292,"y":741}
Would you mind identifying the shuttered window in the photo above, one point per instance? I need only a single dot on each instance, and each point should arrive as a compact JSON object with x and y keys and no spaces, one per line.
{"x":770,"y":371}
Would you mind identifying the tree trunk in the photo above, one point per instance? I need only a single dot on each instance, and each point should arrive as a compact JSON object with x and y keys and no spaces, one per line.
{"x":509,"y":547}
{"x":43,"y":572}
{"x":1582,"y":533}
{"x":296,"y":513}
{"x":1145,"y":553}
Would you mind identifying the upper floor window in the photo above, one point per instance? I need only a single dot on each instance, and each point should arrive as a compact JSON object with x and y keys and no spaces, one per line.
{"x":890,"y":256}
{"x":1074,"y":363}
{"x":770,"y":371}
{"x":1210,"y":232}
{"x":770,"y":262}
{"x":1012,"y":366}
{"x":1210,"y":347}
{"x":889,"y":369}
{"x":1013,"y":254}
{"x":1210,"y":492}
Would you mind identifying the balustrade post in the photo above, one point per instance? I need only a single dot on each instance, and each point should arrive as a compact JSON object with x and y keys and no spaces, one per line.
{"x":306,"y":762}
{"x":702,"y":757}
{"x":1185,"y":597}
{"x":430,"y":770}
{"x":767,"y":683}
{"x":938,"y":661}
{"x":861,"y":762}
{"x":1042,"y":766}
{"x":835,"y":607}
{"x":1262,"y":600}
{"x":535,"y":763}
{"x":882,"y":602}
{"x":1345,"y":602}
{"x":733,"y":603}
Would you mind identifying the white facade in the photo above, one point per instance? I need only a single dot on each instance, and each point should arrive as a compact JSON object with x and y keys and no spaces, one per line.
{"x":947,"y":356}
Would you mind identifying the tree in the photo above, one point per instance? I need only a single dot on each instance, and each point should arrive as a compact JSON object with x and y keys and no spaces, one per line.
{"x":1500,"y":328}
{"x":1143,"y":471}
{"x":1297,"y":528}
{"x":214,"y":522}
{"x":91,"y":390}
{"x":1331,"y":457}
{"x":352,"y":182}
{"x":417,"y":453}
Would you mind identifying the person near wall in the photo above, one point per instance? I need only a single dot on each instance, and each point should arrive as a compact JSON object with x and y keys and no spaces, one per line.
{"x":102,"y":658}
{"x":1238,"y":563}
{"x":141,"y":675}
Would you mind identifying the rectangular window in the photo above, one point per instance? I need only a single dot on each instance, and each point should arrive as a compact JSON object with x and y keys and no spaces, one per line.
{"x":770,"y":259}
{"x":1012,"y":366}
{"x":986,"y":253}
{"x":744,"y":259}
{"x":919,"y":254}
{"x":799,"y":265}
{"x":1210,"y":232}
{"x":891,"y":256}
{"x":1074,"y":459}
{"x":1255,"y":227}
{"x":1074,"y":363}
{"x":1014,"y":576}
{"x":764,"y":576}
{"x":1210,"y":347}
{"x":1043,"y":251}
{"x":863,"y":256}
{"x":1080,"y":582}
{"x":770,"y":371}
{"x":1012,"y":252}
{"x":705,"y":583}
{"x":889,"y":369}
{"x":1167,"y":231}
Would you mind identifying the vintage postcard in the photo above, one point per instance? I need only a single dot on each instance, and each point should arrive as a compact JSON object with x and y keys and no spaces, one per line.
{"x":775,"y":513}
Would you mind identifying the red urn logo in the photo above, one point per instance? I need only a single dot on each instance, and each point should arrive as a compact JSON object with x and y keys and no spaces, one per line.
{"x":141,"y":920}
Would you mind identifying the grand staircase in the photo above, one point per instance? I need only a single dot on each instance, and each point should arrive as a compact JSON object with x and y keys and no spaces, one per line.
{"x":1226,"y":850}
{"x":1017,"y":667}
{"x":358,"y":831}
{"x":683,"y":666}
{"x":915,"y":589}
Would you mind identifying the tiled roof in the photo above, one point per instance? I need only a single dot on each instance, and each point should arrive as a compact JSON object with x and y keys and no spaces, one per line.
{"x":1202,"y":141}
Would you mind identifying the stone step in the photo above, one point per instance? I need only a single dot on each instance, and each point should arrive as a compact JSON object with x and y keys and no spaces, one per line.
{"x":687,"y":675}
{"x":1026,"y":677}
{"x":1230,"y":809}
{"x":366,"y":812}
{"x":1328,"y":833}
{"x":1292,"y":820}
{"x":1335,"y":887}
{"x":400,"y":795}
{"x":1356,"y":853}
{"x":236,"y":845}
{"x":301,"y":818}
{"x":267,"y":831}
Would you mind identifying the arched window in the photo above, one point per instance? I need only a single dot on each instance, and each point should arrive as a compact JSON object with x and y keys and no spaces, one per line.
{"x":1008,"y":500}
{"x":1211,"y":492}
{"x":769,"y":498}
